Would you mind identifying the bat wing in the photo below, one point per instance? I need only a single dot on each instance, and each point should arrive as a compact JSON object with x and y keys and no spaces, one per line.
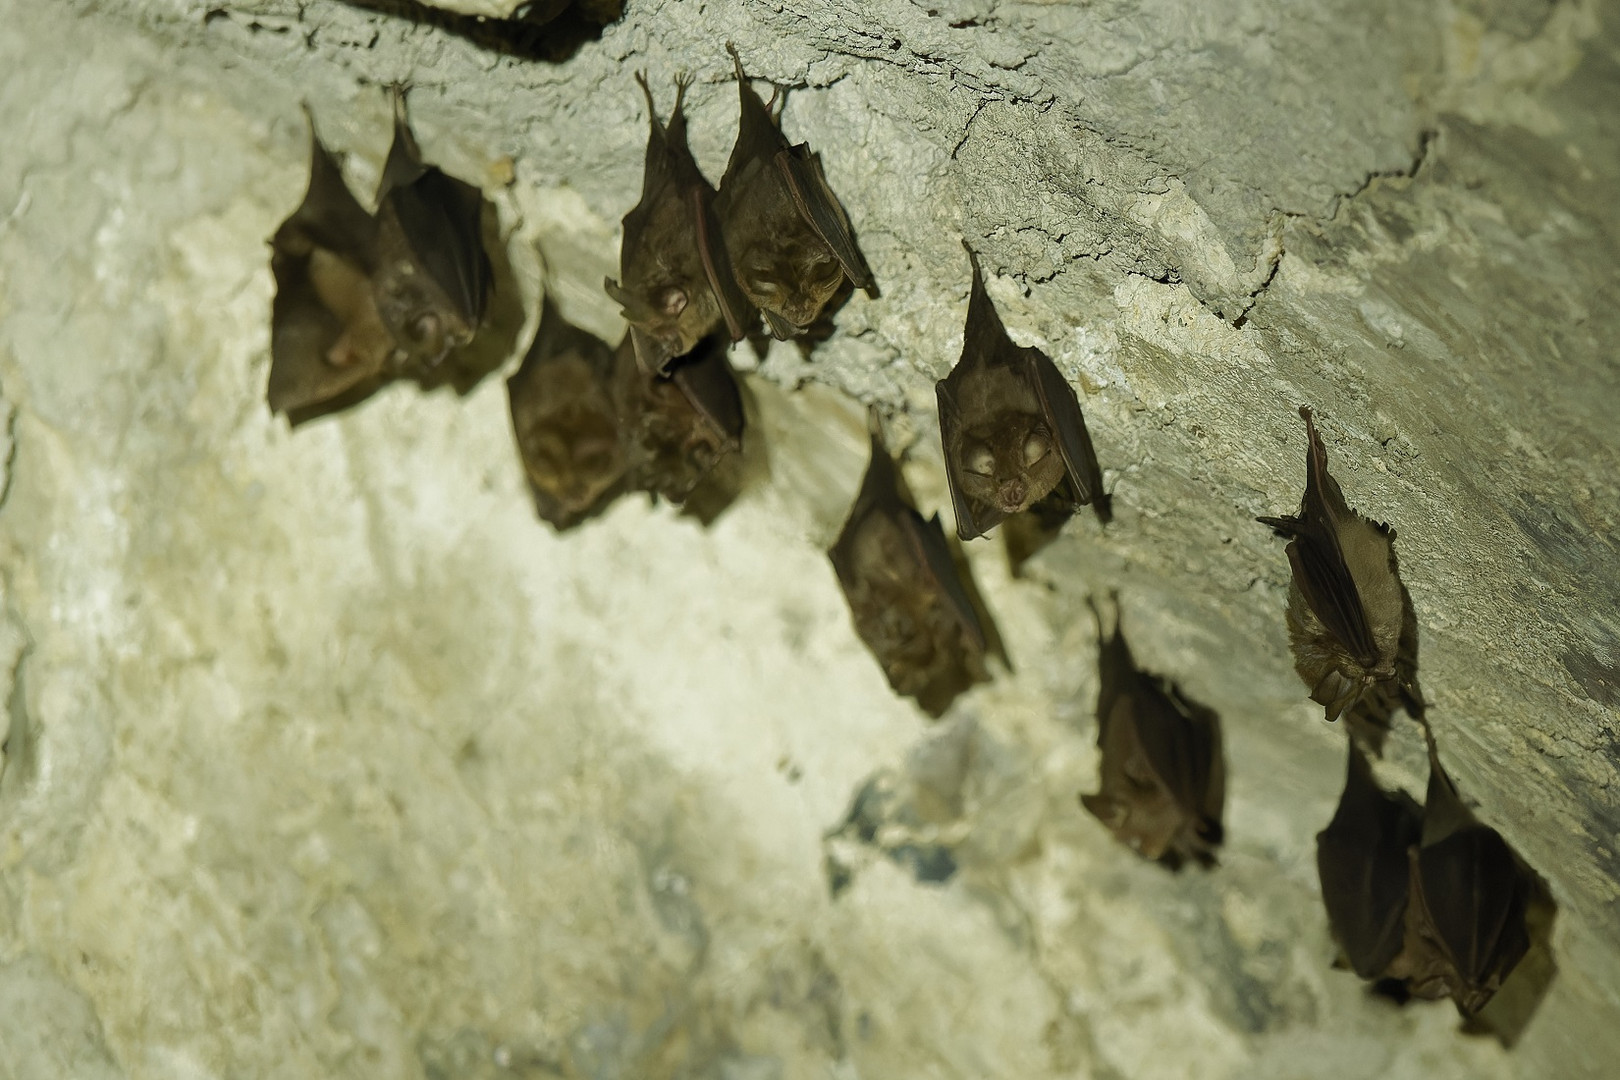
{"x":1317,"y":556}
{"x":820,"y":208}
{"x":1061,"y":407}
{"x":404,"y":164}
{"x":330,"y":216}
{"x":1361,"y":860}
{"x":1473,"y":889}
{"x":440,"y":218}
{"x":302,"y":332}
{"x":928,"y":539}
{"x":759,"y":139}
{"x":973,"y":518}
{"x":1179,"y":740}
{"x":711,"y":386}
{"x":734,"y":306}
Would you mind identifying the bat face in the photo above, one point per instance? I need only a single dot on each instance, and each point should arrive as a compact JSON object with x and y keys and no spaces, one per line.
{"x":675,"y":278}
{"x":1163,"y":777}
{"x":1010,"y":462}
{"x":1011,"y":425}
{"x":328,"y":344}
{"x":1361,"y":859}
{"x":1350,"y":620}
{"x":567,"y":422}
{"x":908,"y":604}
{"x":433,"y":276}
{"x":680,"y":427}
{"x":787,"y":235}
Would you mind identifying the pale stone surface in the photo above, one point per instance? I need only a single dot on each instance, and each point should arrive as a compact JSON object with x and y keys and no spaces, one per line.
{"x":325,"y":758}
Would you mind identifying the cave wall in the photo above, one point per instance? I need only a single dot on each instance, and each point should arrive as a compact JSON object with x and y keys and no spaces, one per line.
{"x":325,"y":758}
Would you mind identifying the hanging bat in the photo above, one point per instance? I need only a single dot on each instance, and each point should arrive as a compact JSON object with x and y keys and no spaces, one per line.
{"x":328,"y":344}
{"x":1361,"y":859}
{"x":1011,"y":426}
{"x":909,"y":606}
{"x":1470,"y":895}
{"x":787,"y":235}
{"x":679,"y":427}
{"x":1163,"y":776}
{"x":566,"y":419}
{"x":677,"y":282}
{"x":433,"y":276}
{"x":1350,"y":620}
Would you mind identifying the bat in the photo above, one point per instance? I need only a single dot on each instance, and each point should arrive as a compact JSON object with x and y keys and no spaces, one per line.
{"x":682,"y":426}
{"x":1011,"y":427}
{"x":787,"y":235}
{"x":1361,"y":860}
{"x":329,"y":346}
{"x":907,"y":601}
{"x":548,"y":30}
{"x":676,"y":283}
{"x":1163,"y":776}
{"x":433,"y":277}
{"x":1350,"y":620}
{"x":1470,"y":896}
{"x":565,"y":416}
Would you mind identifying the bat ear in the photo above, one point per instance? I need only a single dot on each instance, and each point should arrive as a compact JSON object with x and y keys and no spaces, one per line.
{"x":820,"y":208}
{"x":635,"y":308}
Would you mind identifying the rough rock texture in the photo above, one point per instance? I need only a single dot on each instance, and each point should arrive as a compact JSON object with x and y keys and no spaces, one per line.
{"x":325,"y":758}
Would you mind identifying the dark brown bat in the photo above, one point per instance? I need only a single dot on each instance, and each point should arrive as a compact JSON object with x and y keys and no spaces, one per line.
{"x":548,"y":30}
{"x":1163,"y":775}
{"x":433,"y":277}
{"x":676,"y":282}
{"x":1470,"y":895}
{"x":909,"y":606}
{"x":680,"y":427}
{"x":328,"y":344}
{"x":787,"y":235}
{"x":1350,"y":620}
{"x":1011,"y":426}
{"x":567,"y":422}
{"x":1361,"y":859}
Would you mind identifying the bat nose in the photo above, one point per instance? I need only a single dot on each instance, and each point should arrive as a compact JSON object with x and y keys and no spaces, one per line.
{"x":1012,"y":495}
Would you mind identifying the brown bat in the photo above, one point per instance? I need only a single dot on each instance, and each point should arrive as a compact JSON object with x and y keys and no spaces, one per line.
{"x":1350,"y":620}
{"x":328,"y":344}
{"x":1470,"y":894}
{"x":787,"y":235}
{"x":567,"y":423}
{"x":677,"y":282}
{"x":1361,"y":859}
{"x":909,"y":606}
{"x":433,"y":277}
{"x":679,"y":427}
{"x":1163,"y":776}
{"x":1011,"y":426}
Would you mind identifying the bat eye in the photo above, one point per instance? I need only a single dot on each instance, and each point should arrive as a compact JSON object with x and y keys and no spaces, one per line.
{"x":1035,"y":448}
{"x":981,"y":461}
{"x":672,"y":301}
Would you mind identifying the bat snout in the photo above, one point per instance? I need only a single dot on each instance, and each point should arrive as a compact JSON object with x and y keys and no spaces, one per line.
{"x":1011,"y":496}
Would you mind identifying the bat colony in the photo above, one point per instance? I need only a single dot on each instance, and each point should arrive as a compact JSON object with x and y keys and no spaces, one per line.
{"x":1425,"y":899}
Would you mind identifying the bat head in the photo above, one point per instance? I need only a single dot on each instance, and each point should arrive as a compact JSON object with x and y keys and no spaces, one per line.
{"x":791,"y":279}
{"x":568,"y":433}
{"x":1011,"y":463}
{"x":668,"y":315}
